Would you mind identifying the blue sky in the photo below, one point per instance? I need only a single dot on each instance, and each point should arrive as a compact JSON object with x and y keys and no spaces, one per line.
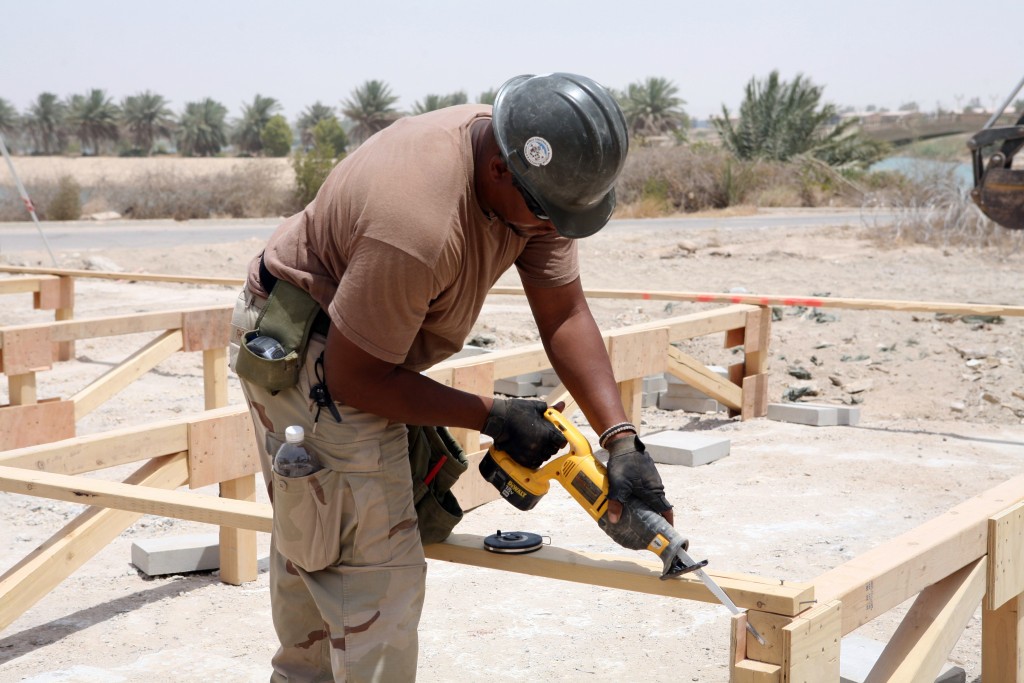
{"x":884,"y":53}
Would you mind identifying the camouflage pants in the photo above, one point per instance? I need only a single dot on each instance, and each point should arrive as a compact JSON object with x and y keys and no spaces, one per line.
{"x":347,"y":570}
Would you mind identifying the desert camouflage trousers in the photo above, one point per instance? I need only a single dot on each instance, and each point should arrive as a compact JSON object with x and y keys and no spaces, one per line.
{"x":347,"y":570}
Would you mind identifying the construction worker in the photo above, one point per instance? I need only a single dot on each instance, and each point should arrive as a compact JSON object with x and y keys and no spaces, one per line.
{"x":399,"y":250}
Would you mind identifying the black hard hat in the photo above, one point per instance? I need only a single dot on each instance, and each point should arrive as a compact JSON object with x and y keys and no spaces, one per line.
{"x":564,"y":138}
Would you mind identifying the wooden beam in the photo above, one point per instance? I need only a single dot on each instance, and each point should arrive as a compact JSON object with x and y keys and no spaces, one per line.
{"x":130,"y":369}
{"x":797,"y":300}
{"x":131,"y":277}
{"x":883,"y":577}
{"x":1005,"y":557}
{"x":699,"y":376}
{"x":44,"y":568}
{"x":90,"y":328}
{"x":105,"y":449}
{"x":560,"y":393}
{"x":177,"y":504}
{"x":23,"y":285}
{"x":625,"y":573}
{"x":1002,"y":641}
{"x":927,"y":634}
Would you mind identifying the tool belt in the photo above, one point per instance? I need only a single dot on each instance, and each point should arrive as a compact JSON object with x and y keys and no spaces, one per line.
{"x":437,"y":461}
{"x":289,"y":316}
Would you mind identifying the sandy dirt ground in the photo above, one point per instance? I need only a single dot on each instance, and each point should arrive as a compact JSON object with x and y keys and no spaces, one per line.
{"x":942,"y":401}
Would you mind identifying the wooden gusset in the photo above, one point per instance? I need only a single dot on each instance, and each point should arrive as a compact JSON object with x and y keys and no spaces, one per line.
{"x":129,"y":370}
{"x":41,"y":571}
{"x":923,"y":640}
{"x":880,"y":579}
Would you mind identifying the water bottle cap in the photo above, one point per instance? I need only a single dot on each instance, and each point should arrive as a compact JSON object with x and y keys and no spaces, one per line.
{"x":294,"y":434}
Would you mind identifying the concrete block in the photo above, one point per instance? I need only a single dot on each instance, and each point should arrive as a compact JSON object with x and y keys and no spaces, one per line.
{"x":650,"y":399}
{"x":684,"y":391}
{"x":177,"y":554}
{"x":690,"y":405}
{"x":845,"y":415}
{"x":515,"y":387}
{"x":655,"y":383}
{"x":685,"y":448}
{"x":804,"y":414}
{"x":549,"y":378}
{"x":858,"y":654}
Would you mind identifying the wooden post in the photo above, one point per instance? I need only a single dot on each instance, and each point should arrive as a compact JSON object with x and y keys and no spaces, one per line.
{"x":65,"y":350}
{"x":22,"y":389}
{"x":1002,"y":622}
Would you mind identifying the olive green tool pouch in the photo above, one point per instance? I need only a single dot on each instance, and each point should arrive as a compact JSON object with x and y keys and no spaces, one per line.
{"x":437,"y":461}
{"x":287,"y":317}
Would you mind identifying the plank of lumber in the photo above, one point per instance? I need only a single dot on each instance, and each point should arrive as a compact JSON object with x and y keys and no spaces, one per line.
{"x":177,"y":504}
{"x":626,"y":573}
{"x":44,"y":568}
{"x":114,"y":447}
{"x":550,"y":562}
{"x":136,"y":277}
{"x":126,"y":372}
{"x":697,"y":375}
{"x":798,"y":300}
{"x":90,"y":328}
{"x":20,"y":285}
{"x":876,"y":581}
{"x":923,"y":640}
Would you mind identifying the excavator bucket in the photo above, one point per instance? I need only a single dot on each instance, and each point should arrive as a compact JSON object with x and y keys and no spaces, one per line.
{"x":998,"y":187}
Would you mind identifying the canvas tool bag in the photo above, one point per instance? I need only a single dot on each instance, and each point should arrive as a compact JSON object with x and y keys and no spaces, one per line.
{"x":288,"y":317}
{"x":437,"y":461}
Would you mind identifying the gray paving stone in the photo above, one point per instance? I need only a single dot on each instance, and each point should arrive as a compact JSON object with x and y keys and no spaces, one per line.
{"x":177,"y":554}
{"x":690,"y":405}
{"x":804,"y":414}
{"x":685,"y":448}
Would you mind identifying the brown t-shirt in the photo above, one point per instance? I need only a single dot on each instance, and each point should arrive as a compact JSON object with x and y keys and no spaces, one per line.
{"x":396,"y":248}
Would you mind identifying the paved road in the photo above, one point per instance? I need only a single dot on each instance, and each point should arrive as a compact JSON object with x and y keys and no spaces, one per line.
{"x":122,"y":234}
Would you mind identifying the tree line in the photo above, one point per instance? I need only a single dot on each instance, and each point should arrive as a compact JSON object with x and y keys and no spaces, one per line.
{"x":777,"y":120}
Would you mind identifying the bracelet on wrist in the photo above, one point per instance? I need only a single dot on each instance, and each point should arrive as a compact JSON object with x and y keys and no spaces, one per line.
{"x":613,"y":430}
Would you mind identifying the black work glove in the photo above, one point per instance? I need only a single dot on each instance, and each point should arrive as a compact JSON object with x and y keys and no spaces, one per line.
{"x":520,"y":429}
{"x":631,"y":472}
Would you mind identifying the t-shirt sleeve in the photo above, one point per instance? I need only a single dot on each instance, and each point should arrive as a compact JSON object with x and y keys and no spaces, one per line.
{"x":382,"y":300}
{"x":548,"y":261}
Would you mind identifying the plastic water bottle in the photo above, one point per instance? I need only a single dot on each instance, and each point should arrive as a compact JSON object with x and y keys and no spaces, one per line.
{"x":266,"y":347}
{"x":292,"y":459}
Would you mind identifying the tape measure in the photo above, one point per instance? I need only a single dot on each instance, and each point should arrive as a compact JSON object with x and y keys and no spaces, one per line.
{"x":513,"y":542}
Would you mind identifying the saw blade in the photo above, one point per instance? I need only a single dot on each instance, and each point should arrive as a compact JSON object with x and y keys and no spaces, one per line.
{"x":717,"y":591}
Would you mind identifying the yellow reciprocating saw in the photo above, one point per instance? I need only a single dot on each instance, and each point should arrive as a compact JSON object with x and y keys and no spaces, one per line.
{"x":586,"y":480}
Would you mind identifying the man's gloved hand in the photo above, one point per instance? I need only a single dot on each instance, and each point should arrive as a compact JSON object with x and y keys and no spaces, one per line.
{"x":519,"y":428}
{"x":631,"y":473}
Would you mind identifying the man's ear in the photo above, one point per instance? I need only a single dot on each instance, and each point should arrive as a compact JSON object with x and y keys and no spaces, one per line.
{"x":497,"y":168}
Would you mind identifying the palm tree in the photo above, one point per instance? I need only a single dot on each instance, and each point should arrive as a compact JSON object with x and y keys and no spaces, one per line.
{"x":201,"y":128}
{"x":433,"y":102}
{"x":780,"y":120}
{"x":254,"y":118}
{"x":9,"y":119}
{"x":652,"y":108}
{"x":370,"y":108}
{"x":45,"y":123}
{"x":310,"y":116}
{"x":147,"y":117}
{"x":93,"y":117}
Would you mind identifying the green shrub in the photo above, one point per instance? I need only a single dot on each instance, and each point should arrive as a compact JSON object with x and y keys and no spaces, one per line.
{"x":66,"y":205}
{"x":276,"y":137}
{"x":312,"y":167}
